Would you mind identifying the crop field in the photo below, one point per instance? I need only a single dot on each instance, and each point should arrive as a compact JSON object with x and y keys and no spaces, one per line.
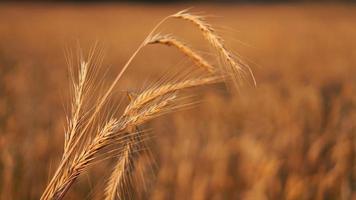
{"x":196,"y":134}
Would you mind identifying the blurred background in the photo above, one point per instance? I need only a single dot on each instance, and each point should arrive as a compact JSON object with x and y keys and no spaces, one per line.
{"x":293,"y":136}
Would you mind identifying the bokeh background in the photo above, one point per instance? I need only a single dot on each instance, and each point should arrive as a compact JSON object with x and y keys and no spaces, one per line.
{"x":292,"y":136}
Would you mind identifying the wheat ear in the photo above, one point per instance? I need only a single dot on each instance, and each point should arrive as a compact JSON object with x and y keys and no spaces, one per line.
{"x":230,"y":64}
{"x":120,"y":179}
{"x":152,"y":93}
{"x":77,"y":104}
{"x":169,"y":40}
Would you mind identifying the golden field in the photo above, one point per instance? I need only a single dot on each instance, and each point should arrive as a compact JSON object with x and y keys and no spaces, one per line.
{"x":293,"y":136}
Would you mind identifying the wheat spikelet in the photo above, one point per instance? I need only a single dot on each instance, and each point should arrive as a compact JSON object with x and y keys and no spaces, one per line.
{"x":77,"y":104}
{"x":117,"y":178}
{"x":230,"y":65}
{"x":150,"y":112}
{"x":154,"y":92}
{"x":169,"y":40}
{"x":120,"y":178}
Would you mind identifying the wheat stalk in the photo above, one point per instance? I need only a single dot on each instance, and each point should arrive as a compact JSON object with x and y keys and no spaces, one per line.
{"x":149,"y":104}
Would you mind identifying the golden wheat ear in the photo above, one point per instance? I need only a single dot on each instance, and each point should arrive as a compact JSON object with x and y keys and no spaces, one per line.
{"x":77,"y":104}
{"x":152,"y":93}
{"x":230,"y":64}
{"x":170,"y":40}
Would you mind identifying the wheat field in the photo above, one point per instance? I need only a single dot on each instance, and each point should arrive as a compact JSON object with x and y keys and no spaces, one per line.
{"x":290,"y":136}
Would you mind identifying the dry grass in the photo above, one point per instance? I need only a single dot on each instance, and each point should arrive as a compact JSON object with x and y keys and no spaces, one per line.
{"x":291,"y":137}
